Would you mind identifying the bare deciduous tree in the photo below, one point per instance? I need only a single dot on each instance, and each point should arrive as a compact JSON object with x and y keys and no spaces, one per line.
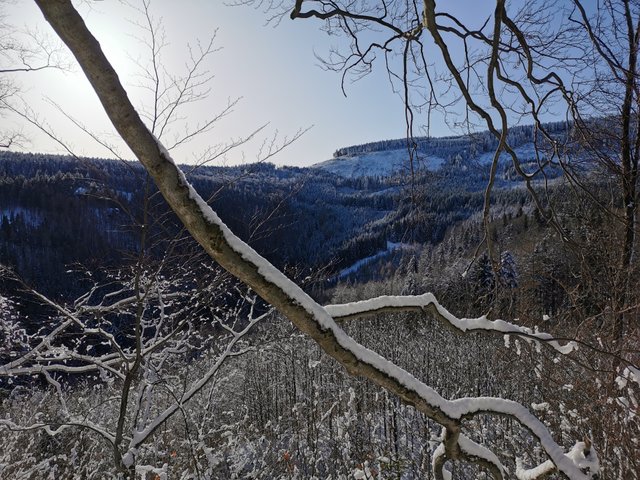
{"x":130,"y":333}
{"x":22,"y":52}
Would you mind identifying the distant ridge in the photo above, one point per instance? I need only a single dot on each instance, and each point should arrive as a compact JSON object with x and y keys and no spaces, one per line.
{"x":478,"y":142}
{"x":389,"y":157}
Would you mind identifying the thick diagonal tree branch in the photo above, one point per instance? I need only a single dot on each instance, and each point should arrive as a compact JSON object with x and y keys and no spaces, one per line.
{"x":271,"y":284}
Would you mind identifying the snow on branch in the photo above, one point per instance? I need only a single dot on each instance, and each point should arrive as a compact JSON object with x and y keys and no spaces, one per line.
{"x":54,"y":429}
{"x":456,"y":446}
{"x":479,"y":452}
{"x":582,"y":454}
{"x":427,"y":302}
{"x":140,"y":436}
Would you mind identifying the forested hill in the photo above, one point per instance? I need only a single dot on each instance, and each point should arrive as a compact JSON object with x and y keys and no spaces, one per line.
{"x":58,"y":211}
{"x":391,"y":156}
{"x":473,"y":144}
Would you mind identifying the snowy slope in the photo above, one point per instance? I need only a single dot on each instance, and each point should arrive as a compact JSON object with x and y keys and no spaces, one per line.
{"x":525,"y":152}
{"x":389,"y":162}
{"x":391,"y":247}
{"x":381,"y":164}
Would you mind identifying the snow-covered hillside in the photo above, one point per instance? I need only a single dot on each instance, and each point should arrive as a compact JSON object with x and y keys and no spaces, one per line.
{"x":390,"y":162}
{"x":525,"y":153}
{"x":387,"y":157}
{"x":381,"y":164}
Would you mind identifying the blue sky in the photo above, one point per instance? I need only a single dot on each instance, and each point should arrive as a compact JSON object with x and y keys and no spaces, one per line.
{"x":273,"y":69}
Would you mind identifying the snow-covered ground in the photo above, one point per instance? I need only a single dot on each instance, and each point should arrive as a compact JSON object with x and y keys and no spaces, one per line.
{"x":391,"y":247}
{"x":377,"y":164}
{"x":524,"y":152}
{"x":388,"y":162}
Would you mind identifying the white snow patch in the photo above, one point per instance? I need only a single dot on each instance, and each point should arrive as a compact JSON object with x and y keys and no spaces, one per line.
{"x":463,"y":324}
{"x":589,"y":462}
{"x":379,"y":164}
{"x":525,"y":152}
{"x":391,"y":247}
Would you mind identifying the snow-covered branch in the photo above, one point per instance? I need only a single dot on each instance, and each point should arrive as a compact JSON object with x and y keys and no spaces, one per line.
{"x":169,"y":332}
{"x":456,"y":446}
{"x":141,"y":435}
{"x":54,"y":429}
{"x":427,"y":303}
{"x":582,"y":454}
